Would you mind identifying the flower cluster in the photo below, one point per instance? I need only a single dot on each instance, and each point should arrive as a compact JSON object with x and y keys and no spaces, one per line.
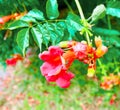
{"x":59,"y":58}
{"x":110,"y":81}
{"x":56,"y":64}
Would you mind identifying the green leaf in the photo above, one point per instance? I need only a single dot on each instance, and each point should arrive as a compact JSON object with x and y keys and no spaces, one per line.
{"x":113,"y":4}
{"x":73,"y":23}
{"x":37,"y":36}
{"x":37,"y":14}
{"x":113,"y":12}
{"x":52,"y":9}
{"x":28,"y":19}
{"x":99,"y":12}
{"x":23,"y":39}
{"x":45,"y":34}
{"x":106,"y":32}
{"x":17,"y":24}
{"x":115,"y":40}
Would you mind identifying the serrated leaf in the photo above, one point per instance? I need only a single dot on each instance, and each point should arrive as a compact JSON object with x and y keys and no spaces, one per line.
{"x":37,"y":14}
{"x":23,"y":39}
{"x":73,"y":21}
{"x":45,"y":34}
{"x":99,"y":12}
{"x":37,"y":36}
{"x":28,"y":19}
{"x":106,"y":32}
{"x":51,"y":29}
{"x":52,"y":9}
{"x":17,"y":24}
{"x":113,"y":12}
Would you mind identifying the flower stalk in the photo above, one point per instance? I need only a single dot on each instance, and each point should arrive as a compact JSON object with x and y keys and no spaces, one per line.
{"x":83,"y":19}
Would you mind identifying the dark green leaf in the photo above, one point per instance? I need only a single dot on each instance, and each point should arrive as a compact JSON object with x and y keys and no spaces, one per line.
{"x":98,"y":12}
{"x":114,"y":40}
{"x":18,"y":24}
{"x":52,"y":9}
{"x":113,"y":4}
{"x":37,"y":14}
{"x":113,"y":12}
{"x":106,"y":32}
{"x":23,"y":39}
{"x":37,"y":36}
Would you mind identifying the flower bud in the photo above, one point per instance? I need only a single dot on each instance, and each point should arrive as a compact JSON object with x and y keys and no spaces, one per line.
{"x":63,"y":44}
{"x":101,"y":51}
{"x":91,"y":72}
{"x":98,"y":41}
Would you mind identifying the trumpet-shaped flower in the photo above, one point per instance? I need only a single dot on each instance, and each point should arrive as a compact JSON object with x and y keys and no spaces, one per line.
{"x":55,"y":67}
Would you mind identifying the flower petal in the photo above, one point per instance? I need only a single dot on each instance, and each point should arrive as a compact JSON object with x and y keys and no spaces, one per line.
{"x":50,"y":69}
{"x":55,"y":50}
{"x":45,"y":56}
{"x":80,"y":50}
{"x":64,"y":79}
{"x":63,"y":83}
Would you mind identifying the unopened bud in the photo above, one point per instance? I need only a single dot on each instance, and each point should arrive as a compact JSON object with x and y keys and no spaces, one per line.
{"x":101,"y":51}
{"x":91,"y":72}
{"x":98,"y":41}
{"x":63,"y":44}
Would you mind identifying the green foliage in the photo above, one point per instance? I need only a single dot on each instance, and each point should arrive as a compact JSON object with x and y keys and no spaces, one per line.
{"x":73,"y":22}
{"x":37,"y":14}
{"x":113,"y":8}
{"x":37,"y":37}
{"x":52,"y":9}
{"x":114,"y":12}
{"x":23,"y":39}
{"x":28,"y":19}
{"x":17,"y":24}
{"x":106,"y":32}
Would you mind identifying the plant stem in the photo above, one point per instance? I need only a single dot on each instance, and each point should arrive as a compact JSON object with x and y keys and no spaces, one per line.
{"x":108,"y":18}
{"x":83,"y":19}
{"x":103,"y":70}
{"x":69,"y":7}
{"x":52,"y":20}
{"x":79,"y":9}
{"x":109,"y":24}
{"x":88,"y":39}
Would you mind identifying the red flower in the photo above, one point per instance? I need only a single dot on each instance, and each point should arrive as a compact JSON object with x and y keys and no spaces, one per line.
{"x":80,"y":50}
{"x":64,"y":79}
{"x":69,"y":56}
{"x":55,"y":68}
{"x":1,"y":21}
{"x":50,"y":71}
{"x":12,"y":61}
{"x":17,"y":57}
{"x":112,"y":100}
{"x":52,"y":55}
